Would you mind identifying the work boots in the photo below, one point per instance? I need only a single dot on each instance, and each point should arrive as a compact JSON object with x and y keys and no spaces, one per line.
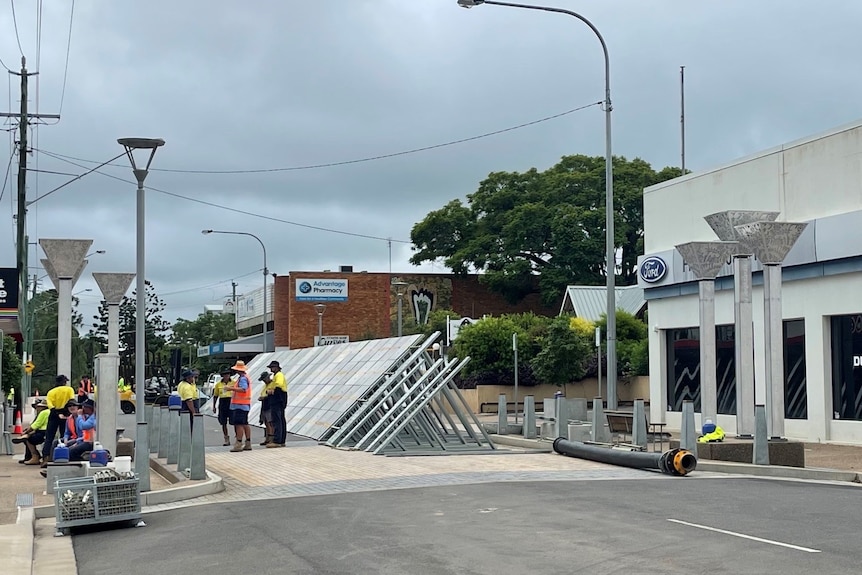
{"x":226,"y":441}
{"x":237,"y":447}
{"x":267,"y":440}
{"x":247,"y":446}
{"x":34,"y":460}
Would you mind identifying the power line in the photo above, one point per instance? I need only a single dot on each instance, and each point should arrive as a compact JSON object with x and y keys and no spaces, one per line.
{"x":219,"y":206}
{"x":2,"y":63}
{"x":363,"y":160}
{"x":208,"y":285}
{"x":15,"y":22}
{"x":75,"y":179}
{"x":6,"y":177}
{"x":66,"y":67}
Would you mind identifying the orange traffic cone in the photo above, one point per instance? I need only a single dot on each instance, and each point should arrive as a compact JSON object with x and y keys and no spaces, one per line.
{"x":17,"y":423}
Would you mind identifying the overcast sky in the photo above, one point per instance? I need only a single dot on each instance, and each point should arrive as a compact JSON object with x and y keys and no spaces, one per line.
{"x":286,"y":84}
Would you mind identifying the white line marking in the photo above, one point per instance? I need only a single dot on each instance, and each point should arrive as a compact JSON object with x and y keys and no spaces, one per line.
{"x":743,"y":536}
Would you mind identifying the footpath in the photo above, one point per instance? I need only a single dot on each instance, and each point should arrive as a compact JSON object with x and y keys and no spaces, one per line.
{"x":28,"y":545}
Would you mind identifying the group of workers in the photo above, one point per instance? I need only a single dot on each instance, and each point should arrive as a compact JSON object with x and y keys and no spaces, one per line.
{"x":232,"y":398}
{"x":64,"y":413}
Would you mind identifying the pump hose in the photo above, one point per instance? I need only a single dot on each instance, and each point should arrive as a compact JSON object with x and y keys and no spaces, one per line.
{"x":677,"y":462}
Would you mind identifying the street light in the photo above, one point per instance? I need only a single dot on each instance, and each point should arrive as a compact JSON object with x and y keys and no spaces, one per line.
{"x":130,"y":145}
{"x":610,"y":256}
{"x":265,"y":272}
{"x":399,"y":291}
{"x":319,"y":308}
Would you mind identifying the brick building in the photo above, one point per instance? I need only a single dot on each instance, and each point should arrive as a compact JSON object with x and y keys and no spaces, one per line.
{"x":366,"y":307}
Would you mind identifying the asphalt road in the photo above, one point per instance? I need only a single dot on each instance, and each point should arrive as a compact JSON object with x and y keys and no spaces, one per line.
{"x":602,"y":527}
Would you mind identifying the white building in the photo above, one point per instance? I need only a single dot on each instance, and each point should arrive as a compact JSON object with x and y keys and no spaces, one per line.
{"x":816,"y":180}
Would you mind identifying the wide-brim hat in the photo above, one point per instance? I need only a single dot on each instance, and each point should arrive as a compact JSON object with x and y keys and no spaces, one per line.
{"x":72,"y":403}
{"x":88,"y":403}
{"x":226,"y":371}
{"x":273,"y":363}
{"x":239,"y":366}
{"x":40,"y":403}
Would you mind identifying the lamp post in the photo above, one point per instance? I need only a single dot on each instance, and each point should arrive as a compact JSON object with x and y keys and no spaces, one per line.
{"x":399,"y":291}
{"x":319,"y":308}
{"x":265,"y":273}
{"x":149,"y":145}
{"x":610,"y":256}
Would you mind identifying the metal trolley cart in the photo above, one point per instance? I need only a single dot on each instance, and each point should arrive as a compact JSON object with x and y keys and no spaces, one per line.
{"x":106,"y":497}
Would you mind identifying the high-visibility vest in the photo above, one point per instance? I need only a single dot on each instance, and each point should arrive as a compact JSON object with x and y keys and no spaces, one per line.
{"x":85,"y":387}
{"x":241,"y":397}
{"x":89,"y":435}
{"x":73,"y":430}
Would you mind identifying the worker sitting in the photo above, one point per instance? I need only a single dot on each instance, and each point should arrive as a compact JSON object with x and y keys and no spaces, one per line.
{"x":712,"y":433}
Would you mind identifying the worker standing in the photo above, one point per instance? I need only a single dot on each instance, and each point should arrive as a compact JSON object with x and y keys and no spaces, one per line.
{"x":221,"y":403}
{"x":56,"y":398}
{"x":240,"y":405}
{"x":277,"y":391}
{"x":189,"y":395}
{"x":85,"y":389}
{"x":265,"y":413}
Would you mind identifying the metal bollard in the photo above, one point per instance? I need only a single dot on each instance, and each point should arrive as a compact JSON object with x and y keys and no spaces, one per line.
{"x":761,"y":441}
{"x":154,"y":427}
{"x":502,"y":415}
{"x":142,"y":456}
{"x":687,"y":434}
{"x":173,"y":436}
{"x":198,"y":455}
{"x":164,"y":430}
{"x":599,"y":432}
{"x":639,"y":427}
{"x":185,"y":452}
{"x":529,"y":431}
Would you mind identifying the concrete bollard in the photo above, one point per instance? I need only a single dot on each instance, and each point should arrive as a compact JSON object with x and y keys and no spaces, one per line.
{"x":578,"y":408}
{"x":173,"y":437}
{"x":529,"y":431}
{"x":761,"y":440}
{"x":688,"y":435}
{"x":561,"y":415}
{"x":198,"y":466}
{"x":502,"y":415}
{"x":142,"y":464}
{"x":164,"y":430}
{"x":639,"y":426}
{"x":579,"y":432}
{"x":599,"y":431}
{"x":549,"y":407}
{"x":184,"y":460}
{"x":155,"y":427}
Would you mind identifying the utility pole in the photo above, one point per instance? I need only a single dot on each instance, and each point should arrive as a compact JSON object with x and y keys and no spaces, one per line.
{"x":233,"y":286}
{"x":23,"y":241}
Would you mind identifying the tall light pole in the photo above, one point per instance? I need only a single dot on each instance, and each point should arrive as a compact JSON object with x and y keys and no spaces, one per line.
{"x":149,"y":145}
{"x":319,"y":308}
{"x":610,"y":257}
{"x":265,"y":273}
{"x":399,"y":291}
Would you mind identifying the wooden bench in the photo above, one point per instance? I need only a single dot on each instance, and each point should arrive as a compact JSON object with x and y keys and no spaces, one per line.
{"x":494,"y":407}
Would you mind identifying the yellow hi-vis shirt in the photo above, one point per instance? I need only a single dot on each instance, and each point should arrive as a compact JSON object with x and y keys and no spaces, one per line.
{"x":187,"y":391}
{"x":220,"y":392}
{"x":59,"y":396}
{"x":278,"y":382}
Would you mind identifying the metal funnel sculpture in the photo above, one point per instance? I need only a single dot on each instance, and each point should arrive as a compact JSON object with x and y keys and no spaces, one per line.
{"x":705,"y":259}
{"x":724,"y":225}
{"x":65,"y":262}
{"x":771,"y":242}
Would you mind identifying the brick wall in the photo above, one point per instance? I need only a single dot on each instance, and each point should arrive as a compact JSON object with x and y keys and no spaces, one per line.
{"x":371,"y":308}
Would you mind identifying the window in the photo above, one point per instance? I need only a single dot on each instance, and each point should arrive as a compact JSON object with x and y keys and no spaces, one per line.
{"x":847,"y":367}
{"x":684,"y":368}
{"x":795,"y":388}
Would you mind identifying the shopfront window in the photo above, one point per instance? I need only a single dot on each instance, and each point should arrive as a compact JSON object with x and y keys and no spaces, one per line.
{"x":847,"y":367}
{"x":795,"y":388}
{"x":683,"y":378}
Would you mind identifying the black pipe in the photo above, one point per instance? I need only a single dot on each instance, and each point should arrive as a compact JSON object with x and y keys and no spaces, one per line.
{"x":677,"y":462}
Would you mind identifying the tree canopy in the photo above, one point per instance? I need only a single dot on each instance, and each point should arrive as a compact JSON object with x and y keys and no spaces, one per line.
{"x":549,"y":224}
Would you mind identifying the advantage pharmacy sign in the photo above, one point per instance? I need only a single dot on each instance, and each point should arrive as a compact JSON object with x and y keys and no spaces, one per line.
{"x":317,"y":289}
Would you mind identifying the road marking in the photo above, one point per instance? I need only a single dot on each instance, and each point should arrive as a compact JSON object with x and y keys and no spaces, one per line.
{"x":743,"y":536}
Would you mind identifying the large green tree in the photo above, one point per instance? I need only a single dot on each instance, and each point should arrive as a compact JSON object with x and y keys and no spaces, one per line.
{"x":187,"y":335}
{"x":43,"y":308}
{"x":549,"y":224}
{"x":11,"y":367}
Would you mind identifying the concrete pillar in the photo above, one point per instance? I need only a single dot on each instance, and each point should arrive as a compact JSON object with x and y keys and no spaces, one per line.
{"x":599,"y":432}
{"x":173,"y":436}
{"x":113,"y":287}
{"x":154,"y":424}
{"x":65,"y":264}
{"x":198,"y":466}
{"x":164,"y":430}
{"x":761,"y":442}
{"x":529,"y":430}
{"x":142,"y":455}
{"x":688,"y":434}
{"x":577,"y":408}
{"x":724,"y":225}
{"x":184,"y":460}
{"x":502,"y":415}
{"x":108,"y":404}
{"x":771,"y":242}
{"x":639,"y":425}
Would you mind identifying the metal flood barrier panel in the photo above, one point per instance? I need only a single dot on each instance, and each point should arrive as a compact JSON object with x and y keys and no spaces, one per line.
{"x":386,"y":396}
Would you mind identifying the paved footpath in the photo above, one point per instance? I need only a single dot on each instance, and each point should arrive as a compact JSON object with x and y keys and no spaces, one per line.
{"x":305,"y":468}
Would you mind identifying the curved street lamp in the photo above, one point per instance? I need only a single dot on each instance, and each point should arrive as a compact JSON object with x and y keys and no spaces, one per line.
{"x":265,"y":273}
{"x":610,"y":261}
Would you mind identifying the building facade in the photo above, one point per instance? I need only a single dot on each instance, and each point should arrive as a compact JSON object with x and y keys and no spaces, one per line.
{"x":817,"y":180}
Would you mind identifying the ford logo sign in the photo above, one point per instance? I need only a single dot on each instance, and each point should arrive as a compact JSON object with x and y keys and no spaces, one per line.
{"x":653,"y":269}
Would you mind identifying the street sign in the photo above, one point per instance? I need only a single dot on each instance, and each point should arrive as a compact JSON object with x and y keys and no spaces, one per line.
{"x":29,"y":367}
